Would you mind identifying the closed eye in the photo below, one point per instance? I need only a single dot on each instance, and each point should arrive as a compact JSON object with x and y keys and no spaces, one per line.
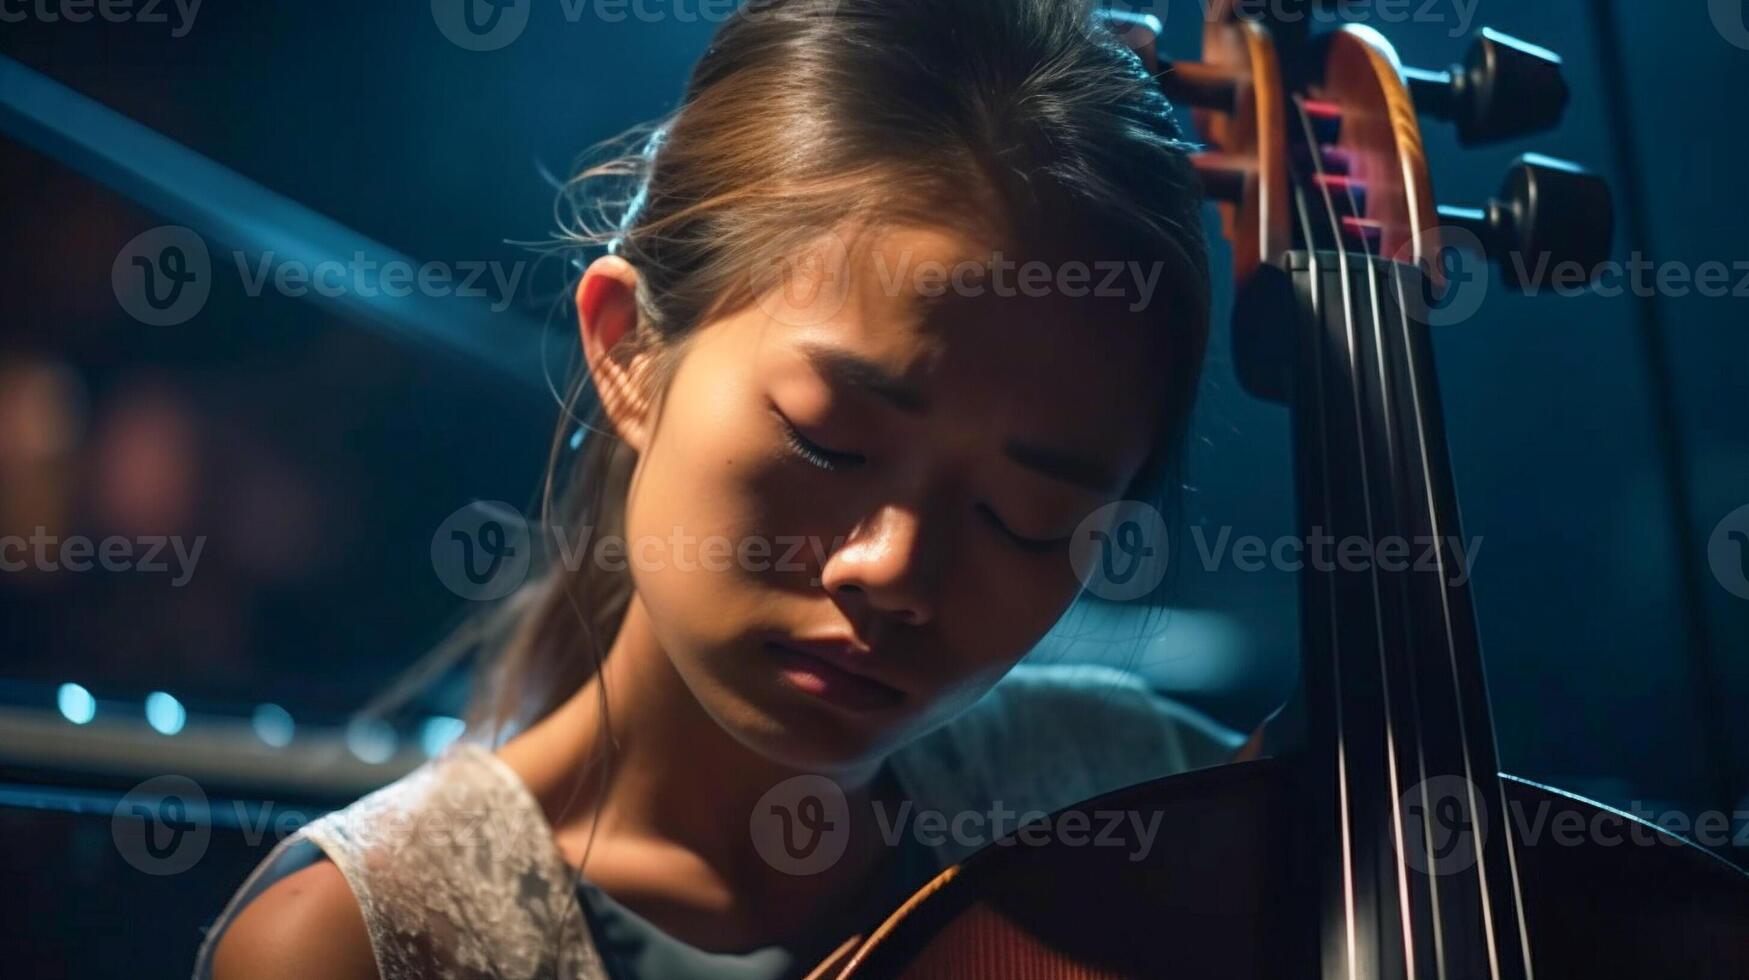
{"x":1025,"y":543}
{"x":811,"y":452}
{"x":832,"y":460}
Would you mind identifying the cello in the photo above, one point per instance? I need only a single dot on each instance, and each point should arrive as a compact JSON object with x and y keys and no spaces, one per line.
{"x":1384,"y":842}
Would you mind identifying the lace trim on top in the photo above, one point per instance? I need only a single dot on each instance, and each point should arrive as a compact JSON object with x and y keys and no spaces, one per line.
{"x":457,"y":874}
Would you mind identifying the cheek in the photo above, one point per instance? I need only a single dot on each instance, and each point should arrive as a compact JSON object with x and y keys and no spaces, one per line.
{"x":729,"y":529}
{"x":704,"y":446}
{"x":686,"y":516}
{"x":998,"y":609}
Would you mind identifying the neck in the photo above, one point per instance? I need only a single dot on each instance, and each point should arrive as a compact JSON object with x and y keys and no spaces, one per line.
{"x":665,"y":786}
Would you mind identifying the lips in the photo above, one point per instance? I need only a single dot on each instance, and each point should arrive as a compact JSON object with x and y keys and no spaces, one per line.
{"x":835,"y":672}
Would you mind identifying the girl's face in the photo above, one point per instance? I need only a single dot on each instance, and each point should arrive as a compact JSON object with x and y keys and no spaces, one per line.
{"x":854,"y":459}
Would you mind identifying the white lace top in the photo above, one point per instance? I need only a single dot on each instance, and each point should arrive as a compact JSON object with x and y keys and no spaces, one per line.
{"x":459,"y":878}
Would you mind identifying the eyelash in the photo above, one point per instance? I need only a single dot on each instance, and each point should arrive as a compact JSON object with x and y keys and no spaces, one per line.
{"x":1024,"y":544}
{"x":814,"y":455}
{"x":825,"y":459}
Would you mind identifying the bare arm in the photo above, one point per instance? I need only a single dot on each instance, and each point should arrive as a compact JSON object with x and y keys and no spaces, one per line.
{"x":305,"y":925}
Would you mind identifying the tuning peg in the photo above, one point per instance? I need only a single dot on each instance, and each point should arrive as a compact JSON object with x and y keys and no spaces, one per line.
{"x":1201,"y":86}
{"x":1223,"y":175}
{"x":1549,"y":213}
{"x":1504,"y":88}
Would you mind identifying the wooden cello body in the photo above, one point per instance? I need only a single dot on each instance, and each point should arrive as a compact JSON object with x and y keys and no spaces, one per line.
{"x":1224,"y":894}
{"x":1385,"y":843}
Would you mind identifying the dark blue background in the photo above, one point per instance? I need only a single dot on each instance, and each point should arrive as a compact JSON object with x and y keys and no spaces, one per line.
{"x":367,"y":114}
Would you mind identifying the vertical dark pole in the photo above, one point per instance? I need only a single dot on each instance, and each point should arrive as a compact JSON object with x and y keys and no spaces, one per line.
{"x":1722,"y":767}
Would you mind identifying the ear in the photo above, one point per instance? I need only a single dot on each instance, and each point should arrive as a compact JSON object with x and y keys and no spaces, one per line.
{"x":607,"y":309}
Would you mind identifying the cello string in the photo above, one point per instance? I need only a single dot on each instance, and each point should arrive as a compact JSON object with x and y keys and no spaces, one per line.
{"x":1344,"y":821}
{"x":1348,"y":322}
{"x":1346,"y":808}
{"x":1387,"y":401}
{"x":1437,"y":531}
{"x":1390,"y":396}
{"x":1440,"y":542}
{"x":1475,"y":841}
{"x":1349,"y":316}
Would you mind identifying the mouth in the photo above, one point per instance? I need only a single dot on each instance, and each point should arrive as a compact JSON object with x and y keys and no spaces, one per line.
{"x":824,"y":674}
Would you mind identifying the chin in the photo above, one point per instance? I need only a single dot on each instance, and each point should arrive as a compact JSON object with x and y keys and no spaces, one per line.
{"x":796,"y":733}
{"x":818,"y":741}
{"x":793,"y":728}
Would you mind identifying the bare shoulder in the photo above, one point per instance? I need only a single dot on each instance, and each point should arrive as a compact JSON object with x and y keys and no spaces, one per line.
{"x":308,"y":924}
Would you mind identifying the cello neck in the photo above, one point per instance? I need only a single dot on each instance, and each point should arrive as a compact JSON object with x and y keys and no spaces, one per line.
{"x":1400,"y":754}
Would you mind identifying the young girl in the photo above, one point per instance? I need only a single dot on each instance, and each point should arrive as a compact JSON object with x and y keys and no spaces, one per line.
{"x":858,"y":319}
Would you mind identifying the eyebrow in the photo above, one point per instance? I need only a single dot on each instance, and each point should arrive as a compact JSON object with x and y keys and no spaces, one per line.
{"x":841,"y":367}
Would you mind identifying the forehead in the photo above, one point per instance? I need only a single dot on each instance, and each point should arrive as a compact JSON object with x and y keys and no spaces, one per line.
{"x":998,"y":341}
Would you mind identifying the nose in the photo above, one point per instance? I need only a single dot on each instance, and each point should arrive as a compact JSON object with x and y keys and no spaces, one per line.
{"x":886,"y":564}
